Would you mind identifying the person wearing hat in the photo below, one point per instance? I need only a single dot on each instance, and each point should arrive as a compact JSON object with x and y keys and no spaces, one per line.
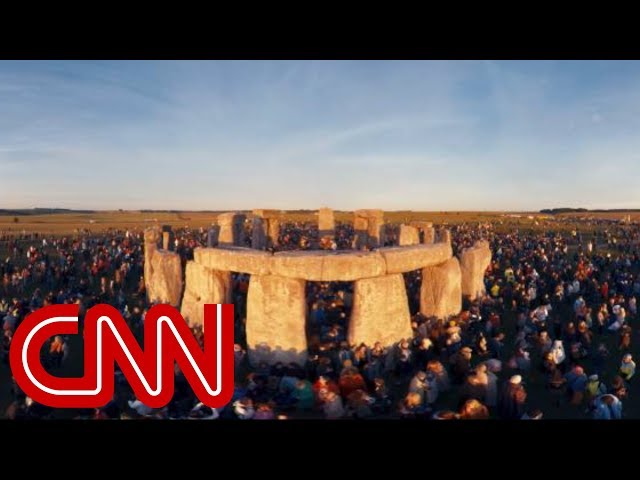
{"x":595,"y":387}
{"x":627,"y":367}
{"x":512,"y":401}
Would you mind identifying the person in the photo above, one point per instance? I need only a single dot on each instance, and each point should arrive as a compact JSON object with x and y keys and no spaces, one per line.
{"x":557,"y":353}
{"x":473,"y":410}
{"x":303,"y":395}
{"x":534,"y":414}
{"x":419,"y":385}
{"x":627,"y":367}
{"x":607,"y":407}
{"x":494,"y":367}
{"x":511,"y":405}
{"x":333,"y":408}
{"x":595,"y":388}
{"x":576,"y":384}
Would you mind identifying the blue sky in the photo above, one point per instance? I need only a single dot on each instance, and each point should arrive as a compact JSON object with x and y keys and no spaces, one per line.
{"x":420,"y":135}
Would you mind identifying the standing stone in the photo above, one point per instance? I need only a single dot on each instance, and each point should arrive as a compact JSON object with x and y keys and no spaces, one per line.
{"x":259,"y":234}
{"x":166,"y":279}
{"x":380,"y":311}
{"x":408,"y":236}
{"x":441,"y":290}
{"x":273,"y":232}
{"x":429,"y":235}
{"x":474,"y":261}
{"x":376,"y":228}
{"x":212,"y":236}
{"x":203,"y":285}
{"x":151,"y":239}
{"x":276,"y":320}
{"x":168,"y":238}
{"x":361,"y":232}
{"x":444,"y":235}
{"x":231,"y":229}
{"x":326,"y":223}
{"x":427,"y":232}
{"x":368,"y":225}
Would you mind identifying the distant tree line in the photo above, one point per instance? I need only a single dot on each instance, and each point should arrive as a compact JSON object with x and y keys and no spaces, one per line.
{"x":554,"y":211}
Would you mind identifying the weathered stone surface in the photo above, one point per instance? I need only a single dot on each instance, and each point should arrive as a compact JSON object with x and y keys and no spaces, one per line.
{"x":427,"y":232}
{"x":231,"y":228}
{"x":203,"y":285}
{"x":429,"y":235}
{"x":327,"y":266}
{"x":360,"y":224}
{"x":266,"y":213}
{"x":376,"y":232}
{"x":408,"y":235}
{"x":380,"y":311}
{"x":369,"y":213}
{"x":276,"y":320}
{"x":298,"y":264}
{"x":473,"y":264}
{"x":234,"y":259}
{"x":350,"y":266}
{"x":259,"y":234}
{"x":151,"y":240}
{"x":273,"y":232}
{"x":326,"y":222}
{"x":368,"y":225}
{"x":443,"y":236}
{"x":441,"y":290}
{"x":406,"y":259}
{"x":166,"y":279}
{"x":421,"y":224}
{"x":212,"y":236}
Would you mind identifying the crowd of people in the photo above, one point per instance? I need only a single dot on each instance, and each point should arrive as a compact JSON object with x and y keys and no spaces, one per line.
{"x":554,"y":336}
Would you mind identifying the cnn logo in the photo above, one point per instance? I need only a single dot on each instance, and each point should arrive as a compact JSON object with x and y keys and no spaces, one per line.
{"x":108,"y":339}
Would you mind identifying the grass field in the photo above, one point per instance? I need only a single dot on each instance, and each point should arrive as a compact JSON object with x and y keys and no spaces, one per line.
{"x":69,"y":223}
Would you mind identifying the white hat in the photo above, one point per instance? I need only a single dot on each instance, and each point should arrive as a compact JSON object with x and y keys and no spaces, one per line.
{"x":515,"y":380}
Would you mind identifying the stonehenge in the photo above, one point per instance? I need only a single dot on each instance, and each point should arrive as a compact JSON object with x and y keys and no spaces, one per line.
{"x":368,"y":226}
{"x":276,"y":320}
{"x":380,"y":311}
{"x":166,"y":278}
{"x":203,"y":285}
{"x":231,"y":229}
{"x":151,"y":240}
{"x":426,"y":231}
{"x":473,"y":263}
{"x":276,"y":298}
{"x":212,"y":236}
{"x":443,"y":236}
{"x":269,"y":226}
{"x":259,"y":234}
{"x":441,"y":289}
{"x":326,"y":223}
{"x":408,"y":235}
